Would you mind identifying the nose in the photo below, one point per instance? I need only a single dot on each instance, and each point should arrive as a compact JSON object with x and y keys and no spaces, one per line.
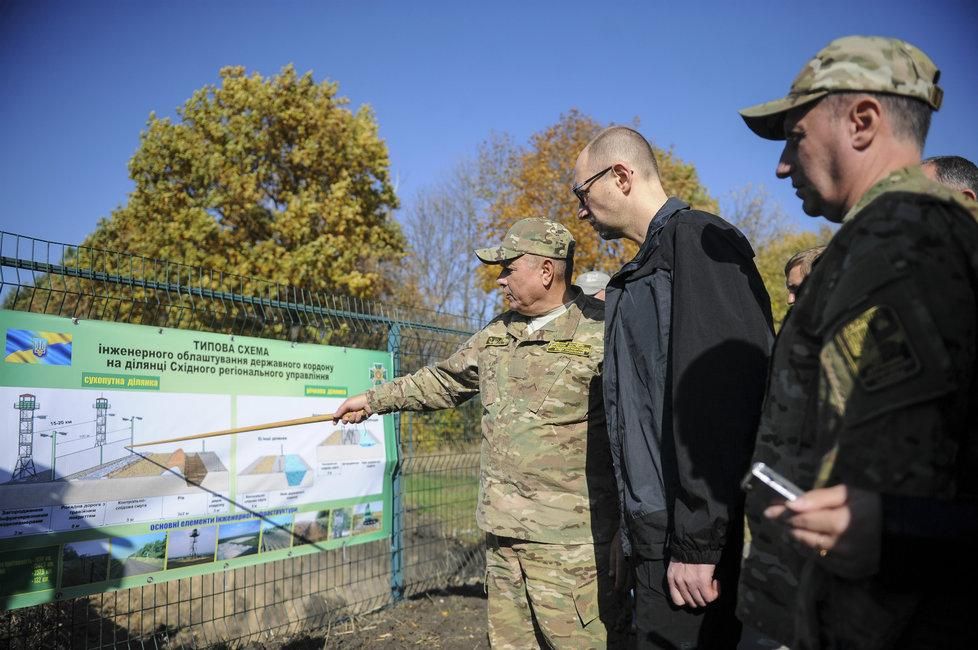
{"x":791,"y":297}
{"x":783,"y":169}
{"x":582,"y":211}
{"x":501,"y":278}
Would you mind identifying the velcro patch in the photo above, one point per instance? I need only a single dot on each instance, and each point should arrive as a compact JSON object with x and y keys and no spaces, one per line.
{"x":876,"y":348}
{"x":570,"y":347}
{"x":497,"y":341}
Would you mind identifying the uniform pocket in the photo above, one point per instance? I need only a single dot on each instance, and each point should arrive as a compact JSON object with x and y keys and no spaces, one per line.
{"x":881,"y":349}
{"x":885,"y":357}
{"x":586,"y":600}
{"x":488,"y":375}
{"x":489,"y":392}
{"x":545,"y":384}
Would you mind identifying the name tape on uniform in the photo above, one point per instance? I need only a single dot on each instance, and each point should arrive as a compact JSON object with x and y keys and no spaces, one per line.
{"x":570,"y":347}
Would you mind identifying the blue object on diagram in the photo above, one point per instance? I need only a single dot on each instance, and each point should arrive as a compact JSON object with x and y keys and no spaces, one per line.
{"x":366,"y":440}
{"x":295,"y":469}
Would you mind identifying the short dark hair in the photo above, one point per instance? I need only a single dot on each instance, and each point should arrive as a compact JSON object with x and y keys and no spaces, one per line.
{"x":955,"y":172}
{"x":805,"y":259}
{"x":622,"y":143}
{"x":910,"y":116}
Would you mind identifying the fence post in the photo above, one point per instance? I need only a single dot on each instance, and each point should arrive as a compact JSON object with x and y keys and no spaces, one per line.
{"x":397,"y":503}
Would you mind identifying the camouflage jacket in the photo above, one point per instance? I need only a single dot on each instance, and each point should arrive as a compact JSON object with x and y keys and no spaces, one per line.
{"x":872,"y":385}
{"x":546,"y":469}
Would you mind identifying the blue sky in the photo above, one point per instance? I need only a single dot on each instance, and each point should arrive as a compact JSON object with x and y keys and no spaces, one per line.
{"x":78,"y":80}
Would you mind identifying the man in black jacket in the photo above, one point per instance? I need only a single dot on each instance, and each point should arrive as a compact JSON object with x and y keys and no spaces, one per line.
{"x":687,"y":338}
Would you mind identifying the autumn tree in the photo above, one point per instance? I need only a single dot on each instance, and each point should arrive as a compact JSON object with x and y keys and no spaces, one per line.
{"x":766,"y":225}
{"x":272,"y":178}
{"x":535,"y":181}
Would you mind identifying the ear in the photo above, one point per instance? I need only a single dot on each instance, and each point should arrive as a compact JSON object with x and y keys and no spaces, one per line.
{"x":865,"y":117}
{"x":547,"y":271}
{"x":623,"y":177}
{"x":970,"y":193}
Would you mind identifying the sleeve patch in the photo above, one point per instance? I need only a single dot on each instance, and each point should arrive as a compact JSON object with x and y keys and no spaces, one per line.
{"x":876,"y":349}
{"x":496,"y":341}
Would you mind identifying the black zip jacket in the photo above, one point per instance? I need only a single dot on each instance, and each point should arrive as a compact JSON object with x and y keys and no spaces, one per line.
{"x":687,"y":338}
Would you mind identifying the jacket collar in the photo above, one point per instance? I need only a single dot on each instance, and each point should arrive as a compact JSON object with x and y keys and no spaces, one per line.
{"x":661,"y":218}
{"x":885,"y":184}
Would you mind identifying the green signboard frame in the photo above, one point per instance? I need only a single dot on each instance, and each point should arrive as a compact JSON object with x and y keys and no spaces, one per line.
{"x":83,"y":511}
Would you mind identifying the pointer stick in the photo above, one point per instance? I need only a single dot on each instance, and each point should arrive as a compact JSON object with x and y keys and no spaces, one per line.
{"x":255,"y":427}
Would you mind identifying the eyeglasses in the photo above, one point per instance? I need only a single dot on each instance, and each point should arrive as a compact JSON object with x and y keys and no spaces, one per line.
{"x":581,"y":192}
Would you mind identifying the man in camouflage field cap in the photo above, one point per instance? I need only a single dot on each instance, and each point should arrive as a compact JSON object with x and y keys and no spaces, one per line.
{"x":871,"y":404}
{"x":540,"y":237}
{"x":547,"y":496}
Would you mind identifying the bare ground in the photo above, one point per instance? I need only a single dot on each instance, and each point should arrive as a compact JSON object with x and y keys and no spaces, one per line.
{"x":454,"y":618}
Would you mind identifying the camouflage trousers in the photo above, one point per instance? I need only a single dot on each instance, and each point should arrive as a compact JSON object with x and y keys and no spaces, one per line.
{"x":550,"y":595}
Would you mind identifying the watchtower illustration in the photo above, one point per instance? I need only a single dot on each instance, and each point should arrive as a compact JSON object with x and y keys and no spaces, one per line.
{"x":24,"y":468}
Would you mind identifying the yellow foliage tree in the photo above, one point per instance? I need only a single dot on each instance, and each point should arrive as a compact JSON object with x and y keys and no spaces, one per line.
{"x":535,"y":181}
{"x":771,"y":258}
{"x":774,"y":241}
{"x":273,"y":178}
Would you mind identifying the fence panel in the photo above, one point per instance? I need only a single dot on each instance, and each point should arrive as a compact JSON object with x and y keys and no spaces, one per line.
{"x":435,"y":541}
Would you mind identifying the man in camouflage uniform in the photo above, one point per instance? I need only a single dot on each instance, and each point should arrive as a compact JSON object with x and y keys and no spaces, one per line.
{"x":871,"y":401}
{"x":547,"y":497}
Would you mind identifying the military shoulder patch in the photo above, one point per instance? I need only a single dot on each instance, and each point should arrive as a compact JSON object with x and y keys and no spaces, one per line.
{"x":496,"y":341}
{"x":569,"y":347}
{"x":876,"y":348}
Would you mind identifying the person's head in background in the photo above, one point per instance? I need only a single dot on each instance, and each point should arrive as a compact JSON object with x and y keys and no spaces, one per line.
{"x":593,"y":283}
{"x":954,"y":172}
{"x":797,"y":269}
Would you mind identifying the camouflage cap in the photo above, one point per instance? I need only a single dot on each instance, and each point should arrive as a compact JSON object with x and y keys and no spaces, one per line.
{"x":535,"y":236}
{"x":866,"y":63}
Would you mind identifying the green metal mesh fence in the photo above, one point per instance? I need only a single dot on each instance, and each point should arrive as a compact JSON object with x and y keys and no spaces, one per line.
{"x":435,"y":541}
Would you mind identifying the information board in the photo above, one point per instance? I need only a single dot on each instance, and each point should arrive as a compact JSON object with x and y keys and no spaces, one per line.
{"x":87,"y":506}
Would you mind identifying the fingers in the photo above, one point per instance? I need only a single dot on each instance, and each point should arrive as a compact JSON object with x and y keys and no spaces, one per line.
{"x":711,"y":592}
{"x":814,"y":540}
{"x":696,"y":595}
{"x":675,"y":594}
{"x":692,"y":585}
{"x":828,"y":522}
{"x":687,"y":594}
{"x":355,"y":417}
{"x":833,"y":497}
{"x":352,"y":411}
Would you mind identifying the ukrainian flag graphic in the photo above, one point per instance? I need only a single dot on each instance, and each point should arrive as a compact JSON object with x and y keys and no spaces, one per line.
{"x":30,"y":346}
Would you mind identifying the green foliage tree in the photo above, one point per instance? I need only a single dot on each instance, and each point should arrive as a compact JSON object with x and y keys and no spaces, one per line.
{"x":155,"y":549}
{"x":272,"y":178}
{"x":771,"y":258}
